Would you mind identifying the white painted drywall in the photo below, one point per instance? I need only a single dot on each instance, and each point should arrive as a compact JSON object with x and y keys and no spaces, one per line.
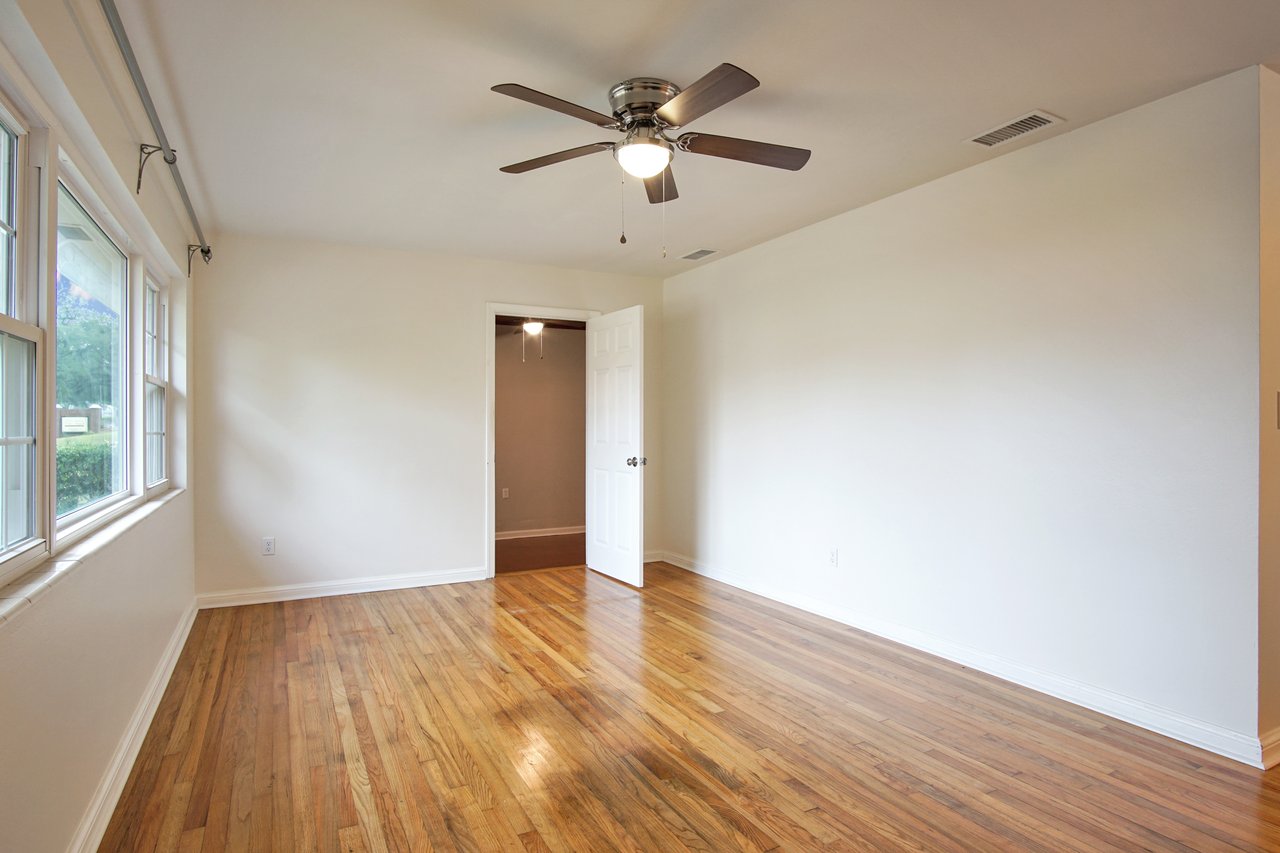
{"x":343,"y":406}
{"x":76,"y":665}
{"x":540,"y":428}
{"x":1033,"y":433}
{"x":1269,"y":411}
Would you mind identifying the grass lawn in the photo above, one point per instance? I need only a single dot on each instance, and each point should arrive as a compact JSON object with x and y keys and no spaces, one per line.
{"x":88,"y":439}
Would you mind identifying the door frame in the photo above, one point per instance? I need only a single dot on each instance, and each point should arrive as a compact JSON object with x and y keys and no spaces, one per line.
{"x":491,"y":312}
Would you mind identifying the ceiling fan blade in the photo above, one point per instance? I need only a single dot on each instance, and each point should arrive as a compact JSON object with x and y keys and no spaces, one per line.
{"x":746,"y":150}
{"x":541,"y":99}
{"x":558,"y":157}
{"x":661,"y":187}
{"x":714,"y":89}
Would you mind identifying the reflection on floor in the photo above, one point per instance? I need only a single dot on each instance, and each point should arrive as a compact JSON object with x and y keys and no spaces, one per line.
{"x":540,"y":552}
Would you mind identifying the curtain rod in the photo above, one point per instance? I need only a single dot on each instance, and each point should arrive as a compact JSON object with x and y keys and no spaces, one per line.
{"x":131,"y":61}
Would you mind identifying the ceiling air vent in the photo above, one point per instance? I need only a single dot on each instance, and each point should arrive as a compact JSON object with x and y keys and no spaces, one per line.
{"x":1028,"y":123}
{"x":699,"y":255}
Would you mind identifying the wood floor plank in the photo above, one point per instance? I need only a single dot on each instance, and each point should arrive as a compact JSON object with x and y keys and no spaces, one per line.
{"x":557,"y":710}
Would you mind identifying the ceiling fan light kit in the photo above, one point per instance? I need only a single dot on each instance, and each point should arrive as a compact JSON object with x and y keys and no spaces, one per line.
{"x":645,"y":108}
{"x":643,"y":156}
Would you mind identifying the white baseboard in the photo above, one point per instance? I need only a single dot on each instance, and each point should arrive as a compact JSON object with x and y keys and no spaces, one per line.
{"x":1271,"y":748}
{"x":1248,"y":749}
{"x":319,"y":589}
{"x":94,"y":823}
{"x":541,"y":531}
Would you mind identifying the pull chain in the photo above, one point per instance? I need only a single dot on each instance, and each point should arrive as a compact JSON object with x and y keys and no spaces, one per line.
{"x":622,"y":201}
{"x":664,"y":216}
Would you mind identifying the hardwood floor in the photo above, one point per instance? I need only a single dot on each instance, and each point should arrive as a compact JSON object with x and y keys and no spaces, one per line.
{"x":558,"y":710}
{"x":540,"y":552}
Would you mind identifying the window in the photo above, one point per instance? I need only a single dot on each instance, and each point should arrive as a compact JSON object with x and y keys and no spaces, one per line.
{"x":91,"y":415}
{"x":155,"y":354}
{"x":18,"y":342}
{"x":85,"y":370}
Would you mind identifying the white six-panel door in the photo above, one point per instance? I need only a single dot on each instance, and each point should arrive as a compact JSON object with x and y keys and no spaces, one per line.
{"x":615,"y":446}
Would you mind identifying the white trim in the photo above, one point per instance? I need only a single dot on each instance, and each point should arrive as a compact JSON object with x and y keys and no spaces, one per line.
{"x":1239,"y":746}
{"x":491,"y":312}
{"x":542,"y":531}
{"x":320,"y":589}
{"x":94,"y":823}
{"x":655,"y":556}
{"x":1271,"y":748}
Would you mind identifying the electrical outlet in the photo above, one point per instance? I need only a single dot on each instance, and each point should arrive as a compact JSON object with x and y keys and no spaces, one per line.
{"x":268,"y":546}
{"x":506,"y":493}
{"x":834,"y":557}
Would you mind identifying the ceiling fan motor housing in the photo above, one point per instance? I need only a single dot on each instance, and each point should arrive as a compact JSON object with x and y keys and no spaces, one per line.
{"x":636,"y":100}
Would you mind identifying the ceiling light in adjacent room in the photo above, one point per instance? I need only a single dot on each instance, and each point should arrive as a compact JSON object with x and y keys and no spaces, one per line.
{"x":533,"y":327}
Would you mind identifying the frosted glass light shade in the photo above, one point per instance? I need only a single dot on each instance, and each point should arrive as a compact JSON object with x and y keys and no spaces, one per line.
{"x":533,"y":327}
{"x":642,"y":157}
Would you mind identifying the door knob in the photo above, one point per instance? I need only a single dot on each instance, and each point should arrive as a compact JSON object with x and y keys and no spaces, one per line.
{"x":636,"y":462}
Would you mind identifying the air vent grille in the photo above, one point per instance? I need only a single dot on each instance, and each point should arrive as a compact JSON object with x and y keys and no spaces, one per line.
{"x":699,"y":255}
{"x":74,"y":232}
{"x":1018,"y":127}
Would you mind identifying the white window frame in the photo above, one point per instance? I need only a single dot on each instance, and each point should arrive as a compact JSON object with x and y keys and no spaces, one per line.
{"x":22,"y":321}
{"x":159,"y":378}
{"x":79,"y":523}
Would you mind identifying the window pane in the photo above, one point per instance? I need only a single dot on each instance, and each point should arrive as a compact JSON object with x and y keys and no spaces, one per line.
{"x":155,"y":434}
{"x":19,"y":500}
{"x":8,"y":214}
{"x":8,"y":168}
{"x":91,"y":411}
{"x":19,"y":372}
{"x":17,"y":428}
{"x":8,"y":270}
{"x":150,"y":332}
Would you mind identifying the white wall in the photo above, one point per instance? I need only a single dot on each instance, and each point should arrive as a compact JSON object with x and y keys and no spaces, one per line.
{"x":343,"y":406}
{"x":1034,"y":437}
{"x":76,"y":665}
{"x":1269,"y":421}
{"x":540,"y":429}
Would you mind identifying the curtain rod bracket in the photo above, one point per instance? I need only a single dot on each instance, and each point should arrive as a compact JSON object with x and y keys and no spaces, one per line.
{"x":144,"y":154}
{"x":144,"y":95}
{"x":206,"y":253}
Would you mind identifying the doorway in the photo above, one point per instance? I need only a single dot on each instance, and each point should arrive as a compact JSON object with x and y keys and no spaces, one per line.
{"x":493,"y":311}
{"x":613,"y":411}
{"x":539,"y":435}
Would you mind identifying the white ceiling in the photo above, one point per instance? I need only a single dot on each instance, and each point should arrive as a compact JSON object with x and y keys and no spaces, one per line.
{"x":373,"y":122}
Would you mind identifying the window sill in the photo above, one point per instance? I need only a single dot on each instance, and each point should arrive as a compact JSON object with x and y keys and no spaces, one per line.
{"x":22,"y":592}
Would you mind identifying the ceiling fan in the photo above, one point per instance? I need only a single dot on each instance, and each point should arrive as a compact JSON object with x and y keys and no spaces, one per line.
{"x":645,"y":108}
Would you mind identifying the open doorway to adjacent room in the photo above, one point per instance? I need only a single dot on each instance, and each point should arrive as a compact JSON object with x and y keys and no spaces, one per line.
{"x":539,"y":467}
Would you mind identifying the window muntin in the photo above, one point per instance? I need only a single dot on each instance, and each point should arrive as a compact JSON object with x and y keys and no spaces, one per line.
{"x":91,"y":415}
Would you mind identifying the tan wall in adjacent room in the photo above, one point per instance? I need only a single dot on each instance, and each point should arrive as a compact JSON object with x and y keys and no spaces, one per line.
{"x":540,"y":429}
